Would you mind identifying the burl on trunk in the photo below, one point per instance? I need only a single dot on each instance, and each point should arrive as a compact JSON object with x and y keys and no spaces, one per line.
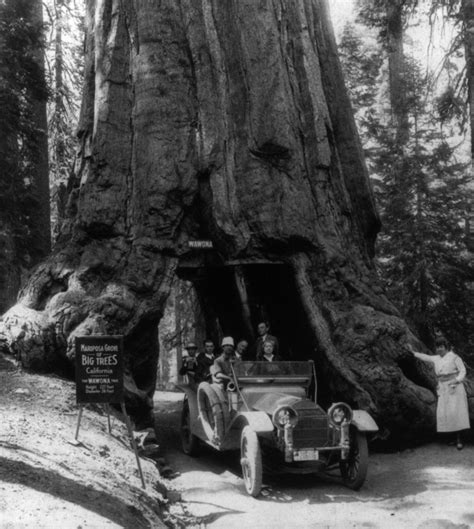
{"x":225,"y":121}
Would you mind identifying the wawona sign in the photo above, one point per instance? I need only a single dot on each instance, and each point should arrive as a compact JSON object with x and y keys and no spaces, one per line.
{"x":99,"y":369}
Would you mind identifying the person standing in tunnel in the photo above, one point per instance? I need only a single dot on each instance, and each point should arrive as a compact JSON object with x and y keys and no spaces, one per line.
{"x":452,"y":412}
{"x":263,"y":330}
{"x":189,"y":367}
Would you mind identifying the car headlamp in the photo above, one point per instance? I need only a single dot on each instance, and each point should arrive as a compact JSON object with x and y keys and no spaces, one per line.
{"x":338,"y":413}
{"x":284,"y":416}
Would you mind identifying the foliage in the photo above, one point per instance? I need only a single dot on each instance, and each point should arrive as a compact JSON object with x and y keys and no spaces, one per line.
{"x":362,"y":62}
{"x":420,"y":189}
{"x":452,"y":103}
{"x":22,"y":85}
{"x":373,"y":13}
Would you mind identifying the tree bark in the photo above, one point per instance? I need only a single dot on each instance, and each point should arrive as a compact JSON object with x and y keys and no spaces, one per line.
{"x":467,"y":11}
{"x":43,"y":211}
{"x":226,"y":121}
{"x":396,"y":61}
{"x":9,"y":270}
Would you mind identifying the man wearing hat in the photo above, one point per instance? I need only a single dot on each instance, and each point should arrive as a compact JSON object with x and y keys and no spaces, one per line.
{"x":221,"y":370}
{"x":190,"y":365}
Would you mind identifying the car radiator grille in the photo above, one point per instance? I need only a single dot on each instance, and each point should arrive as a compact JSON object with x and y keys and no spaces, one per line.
{"x":312,"y":427}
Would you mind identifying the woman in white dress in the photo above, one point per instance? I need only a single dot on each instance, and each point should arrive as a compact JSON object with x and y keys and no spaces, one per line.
{"x":452,"y":413}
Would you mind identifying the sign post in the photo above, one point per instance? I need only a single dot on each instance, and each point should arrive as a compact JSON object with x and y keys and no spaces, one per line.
{"x":99,"y":379}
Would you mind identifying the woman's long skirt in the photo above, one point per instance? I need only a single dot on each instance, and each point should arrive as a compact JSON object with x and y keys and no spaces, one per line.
{"x":452,"y":412}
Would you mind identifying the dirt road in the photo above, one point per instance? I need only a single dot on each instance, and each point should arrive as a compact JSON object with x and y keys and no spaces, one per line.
{"x":428,"y":488}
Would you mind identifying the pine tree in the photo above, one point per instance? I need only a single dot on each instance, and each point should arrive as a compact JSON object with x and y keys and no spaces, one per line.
{"x":361,"y":60}
{"x":421,"y":194}
{"x":420,"y":189}
{"x":22,"y":86}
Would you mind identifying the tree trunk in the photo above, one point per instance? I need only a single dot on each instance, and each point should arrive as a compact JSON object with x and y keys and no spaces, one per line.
{"x":467,"y":10}
{"x":9,"y":271}
{"x":226,"y":121}
{"x":396,"y":60}
{"x":41,"y":183}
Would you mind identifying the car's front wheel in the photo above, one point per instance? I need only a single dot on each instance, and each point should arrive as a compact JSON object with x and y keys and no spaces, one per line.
{"x":354,"y":468}
{"x":189,"y":442}
{"x":251,"y":461}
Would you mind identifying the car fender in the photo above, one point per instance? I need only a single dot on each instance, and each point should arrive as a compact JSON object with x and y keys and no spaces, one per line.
{"x":259,"y":421}
{"x":196,"y":423}
{"x":363,"y":421}
{"x":191,"y":395}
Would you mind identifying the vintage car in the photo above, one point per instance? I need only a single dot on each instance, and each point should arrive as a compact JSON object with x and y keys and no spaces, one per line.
{"x":266,"y":411}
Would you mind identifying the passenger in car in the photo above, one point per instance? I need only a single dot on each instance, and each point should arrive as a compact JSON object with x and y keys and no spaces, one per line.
{"x":205,"y":360}
{"x":241,"y":351}
{"x":263,"y":330}
{"x":268,"y":353}
{"x":270,"y":357}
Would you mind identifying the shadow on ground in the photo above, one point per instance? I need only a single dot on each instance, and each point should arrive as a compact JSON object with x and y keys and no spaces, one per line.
{"x":49,"y":482}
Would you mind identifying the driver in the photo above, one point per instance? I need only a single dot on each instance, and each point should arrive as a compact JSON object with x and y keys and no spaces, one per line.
{"x":222,"y":370}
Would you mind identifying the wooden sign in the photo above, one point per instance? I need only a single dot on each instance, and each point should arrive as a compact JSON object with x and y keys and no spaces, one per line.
{"x":99,"y":369}
{"x":99,"y":378}
{"x":200,"y":244}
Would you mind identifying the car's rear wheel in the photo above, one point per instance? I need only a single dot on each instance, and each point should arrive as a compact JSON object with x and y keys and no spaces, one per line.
{"x":211,"y":410}
{"x":354,"y":468}
{"x":189,"y":442}
{"x":251,"y":461}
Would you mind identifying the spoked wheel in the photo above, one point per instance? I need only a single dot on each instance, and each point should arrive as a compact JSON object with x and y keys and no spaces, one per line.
{"x":251,"y":461}
{"x":189,"y":442}
{"x":354,"y":468}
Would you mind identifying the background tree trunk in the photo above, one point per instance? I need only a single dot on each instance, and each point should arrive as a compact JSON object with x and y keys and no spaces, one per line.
{"x":396,"y":66}
{"x":43,"y":211}
{"x":226,"y":121}
{"x":24,"y":185}
{"x":467,"y":12}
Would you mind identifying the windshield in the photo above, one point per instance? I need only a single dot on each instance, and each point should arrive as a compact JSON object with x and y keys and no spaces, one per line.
{"x":246,"y":370}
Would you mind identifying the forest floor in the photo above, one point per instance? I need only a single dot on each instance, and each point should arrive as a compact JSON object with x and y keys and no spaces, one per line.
{"x":46,"y":481}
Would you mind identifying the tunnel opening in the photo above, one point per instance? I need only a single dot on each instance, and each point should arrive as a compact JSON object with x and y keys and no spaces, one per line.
{"x":236,"y":296}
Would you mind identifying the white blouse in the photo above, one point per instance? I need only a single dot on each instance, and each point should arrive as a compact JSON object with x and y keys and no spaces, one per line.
{"x":448,"y":364}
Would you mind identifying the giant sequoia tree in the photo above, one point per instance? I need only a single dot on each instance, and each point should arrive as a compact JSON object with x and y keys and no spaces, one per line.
{"x":226,"y":121}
